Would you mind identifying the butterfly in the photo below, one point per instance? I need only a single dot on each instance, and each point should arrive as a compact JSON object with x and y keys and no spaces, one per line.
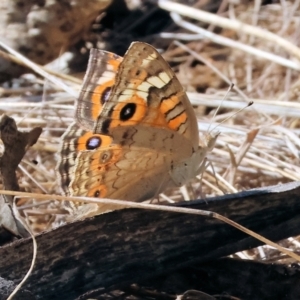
{"x":135,"y":131}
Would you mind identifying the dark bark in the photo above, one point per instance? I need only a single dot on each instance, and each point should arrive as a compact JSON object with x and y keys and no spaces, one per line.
{"x":130,"y":245}
{"x":241,"y":279}
{"x":6,"y":287}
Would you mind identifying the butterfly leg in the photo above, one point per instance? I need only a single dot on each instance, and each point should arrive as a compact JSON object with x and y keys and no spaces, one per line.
{"x":159,"y":189}
{"x":216,"y":177}
{"x":202,"y":169}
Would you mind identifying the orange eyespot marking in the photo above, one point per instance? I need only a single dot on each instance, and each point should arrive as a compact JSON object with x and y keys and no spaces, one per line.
{"x":91,"y":141}
{"x":168,"y":104}
{"x":100,"y":96}
{"x":178,"y":121}
{"x":130,"y":112}
{"x":99,"y":191}
{"x":100,"y":161}
{"x":137,"y":76}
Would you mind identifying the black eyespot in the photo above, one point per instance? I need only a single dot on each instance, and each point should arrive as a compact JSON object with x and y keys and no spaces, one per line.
{"x":93,"y":143}
{"x":127,"y":111}
{"x":105,"y":95}
{"x":97,"y":193}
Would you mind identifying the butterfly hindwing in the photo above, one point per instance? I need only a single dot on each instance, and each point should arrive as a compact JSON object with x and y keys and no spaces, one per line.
{"x":68,"y":154}
{"x":96,"y":165}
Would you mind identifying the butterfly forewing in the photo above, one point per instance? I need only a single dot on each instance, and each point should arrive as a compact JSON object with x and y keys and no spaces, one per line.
{"x":147,"y":91}
{"x":97,"y":85}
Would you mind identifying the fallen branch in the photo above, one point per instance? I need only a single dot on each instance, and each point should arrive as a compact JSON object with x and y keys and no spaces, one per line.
{"x":129,"y":245}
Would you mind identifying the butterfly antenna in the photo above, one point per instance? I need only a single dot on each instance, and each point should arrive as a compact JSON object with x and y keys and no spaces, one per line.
{"x":217,"y":110}
{"x":241,"y":109}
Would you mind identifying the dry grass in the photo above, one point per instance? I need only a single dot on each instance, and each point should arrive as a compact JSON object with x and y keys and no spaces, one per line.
{"x":257,"y":147}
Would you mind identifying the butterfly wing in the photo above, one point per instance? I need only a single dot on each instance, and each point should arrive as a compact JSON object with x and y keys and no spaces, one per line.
{"x":147,"y":92}
{"x":97,"y":166}
{"x":97,"y":85}
{"x":68,"y":154}
{"x":145,"y":129}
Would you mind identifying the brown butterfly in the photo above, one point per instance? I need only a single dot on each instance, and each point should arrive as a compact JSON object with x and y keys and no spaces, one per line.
{"x":135,"y":133}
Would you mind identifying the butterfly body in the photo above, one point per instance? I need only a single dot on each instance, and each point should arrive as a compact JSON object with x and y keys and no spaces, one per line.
{"x":135,"y":132}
